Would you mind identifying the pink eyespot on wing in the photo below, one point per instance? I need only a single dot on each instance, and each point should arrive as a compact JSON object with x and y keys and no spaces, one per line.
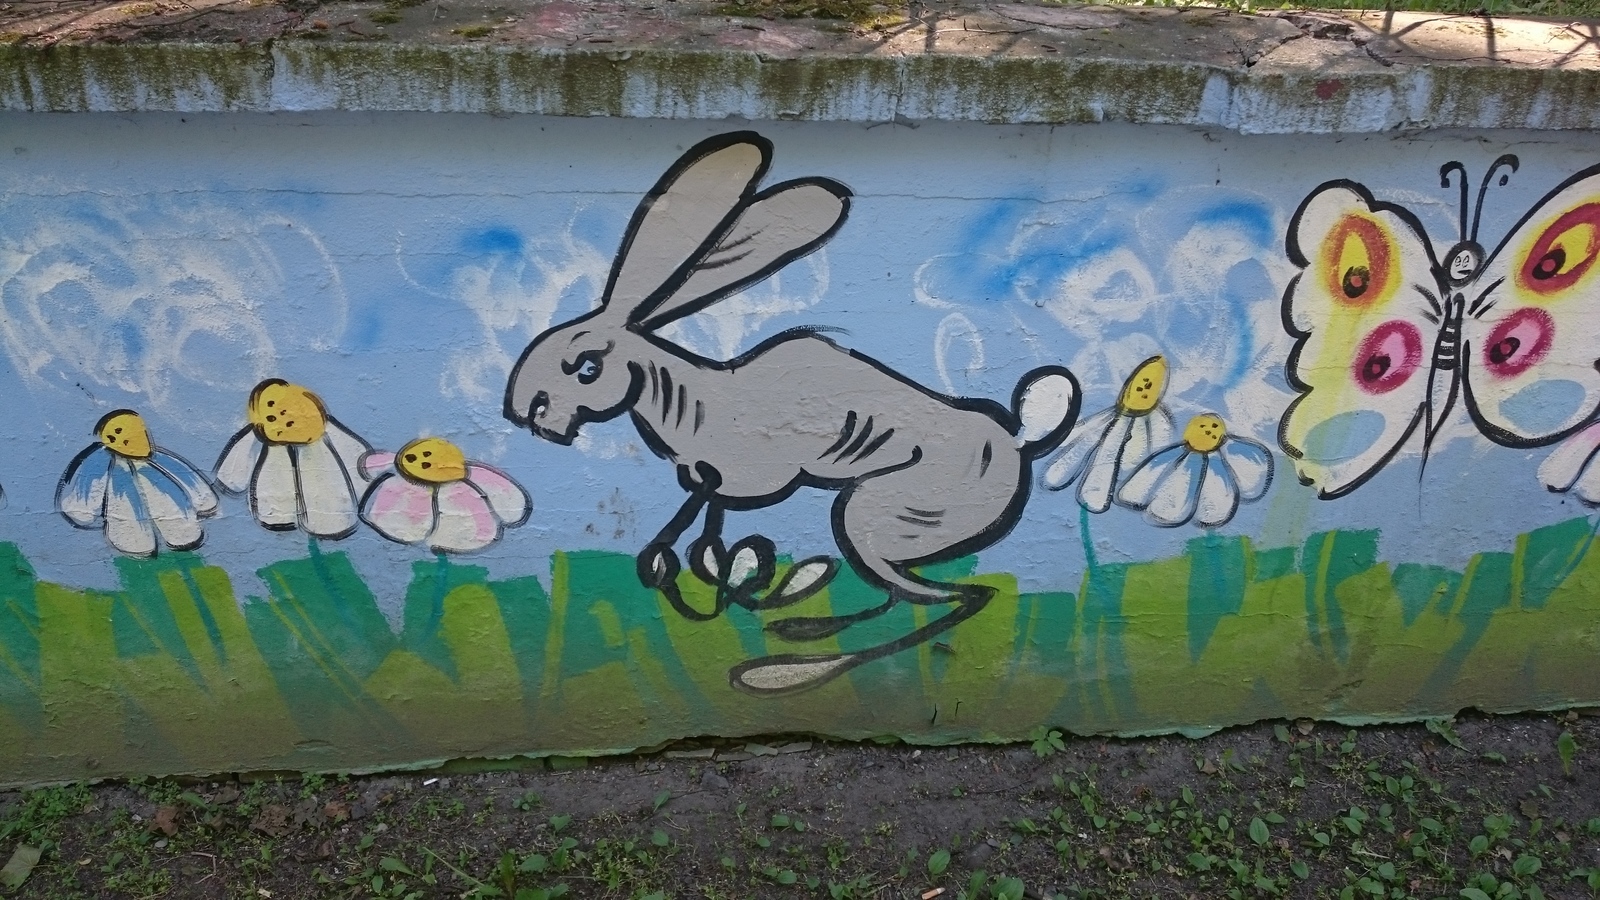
{"x":1518,"y":342}
{"x":1387,"y":357}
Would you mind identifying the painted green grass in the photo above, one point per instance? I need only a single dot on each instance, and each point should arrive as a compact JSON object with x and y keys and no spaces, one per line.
{"x":172,"y":673}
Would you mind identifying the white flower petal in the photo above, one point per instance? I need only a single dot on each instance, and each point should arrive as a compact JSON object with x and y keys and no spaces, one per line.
{"x":1176,"y":495}
{"x":194,"y":485}
{"x":168,"y":506}
{"x":81,"y":496}
{"x":399,"y":509}
{"x":1250,"y":464}
{"x":509,"y":501}
{"x":127,"y":526}
{"x":348,"y":446}
{"x":1218,"y":496}
{"x":236,"y":467}
{"x":273,"y":497}
{"x":1139,"y":489}
{"x":1163,"y":430}
{"x":1073,"y":456}
{"x":1587,"y":487}
{"x":1141,"y":440}
{"x":1105,"y":467}
{"x":466,"y":522}
{"x":1566,"y":464}
{"x":327,"y":498}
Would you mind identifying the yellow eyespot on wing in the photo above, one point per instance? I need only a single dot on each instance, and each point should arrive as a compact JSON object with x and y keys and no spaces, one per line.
{"x":124,"y":433}
{"x":1357,"y":259}
{"x":285,"y":413}
{"x":433,"y":460}
{"x":1143,"y":389}
{"x":1557,"y":257}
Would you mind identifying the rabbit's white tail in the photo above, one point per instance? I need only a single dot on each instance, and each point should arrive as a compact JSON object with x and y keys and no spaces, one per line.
{"x":1046,"y":406}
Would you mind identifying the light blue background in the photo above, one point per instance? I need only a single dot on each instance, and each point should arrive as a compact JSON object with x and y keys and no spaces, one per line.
{"x":348,"y":249}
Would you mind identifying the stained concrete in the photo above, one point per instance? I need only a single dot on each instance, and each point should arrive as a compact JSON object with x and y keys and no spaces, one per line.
{"x":999,"y":62}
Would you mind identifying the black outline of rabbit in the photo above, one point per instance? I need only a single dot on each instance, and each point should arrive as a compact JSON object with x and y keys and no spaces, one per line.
{"x":913,"y":468}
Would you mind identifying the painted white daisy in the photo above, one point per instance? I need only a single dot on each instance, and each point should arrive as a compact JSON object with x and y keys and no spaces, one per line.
{"x":140,"y":494}
{"x":1101,"y":448}
{"x":1570,"y":467}
{"x":300,"y":466}
{"x":430,"y":493}
{"x":1204,"y":477}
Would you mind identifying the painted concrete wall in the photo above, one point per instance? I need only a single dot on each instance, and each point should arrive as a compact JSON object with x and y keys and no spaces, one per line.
{"x":354,"y":440}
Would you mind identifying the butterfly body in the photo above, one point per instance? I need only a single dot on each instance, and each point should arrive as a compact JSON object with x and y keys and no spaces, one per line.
{"x":1389,"y":339}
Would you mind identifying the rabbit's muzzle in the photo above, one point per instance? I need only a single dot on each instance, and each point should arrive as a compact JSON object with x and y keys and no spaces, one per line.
{"x":536,"y":419}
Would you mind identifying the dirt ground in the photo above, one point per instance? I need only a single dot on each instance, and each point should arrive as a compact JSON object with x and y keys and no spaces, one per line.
{"x":1489,"y":808}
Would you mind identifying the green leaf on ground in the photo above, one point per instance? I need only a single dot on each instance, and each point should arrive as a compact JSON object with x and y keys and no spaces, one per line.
{"x":19,"y":867}
{"x":1567,"y":746}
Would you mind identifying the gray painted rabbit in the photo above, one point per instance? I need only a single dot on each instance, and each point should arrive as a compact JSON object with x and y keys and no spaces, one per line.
{"x":922,"y":477}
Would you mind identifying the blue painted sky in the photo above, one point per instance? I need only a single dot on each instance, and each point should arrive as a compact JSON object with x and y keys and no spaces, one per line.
{"x":397,"y":268}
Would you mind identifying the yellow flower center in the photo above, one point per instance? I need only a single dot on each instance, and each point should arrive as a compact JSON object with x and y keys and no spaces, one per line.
{"x":286,"y":413}
{"x":1143,"y":389}
{"x":434,"y":460}
{"x":124,"y":433}
{"x":1204,"y":433}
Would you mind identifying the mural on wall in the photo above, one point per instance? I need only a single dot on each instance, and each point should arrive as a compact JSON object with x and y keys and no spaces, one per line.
{"x":770,"y":466}
{"x":922,"y":478}
{"x":1388,"y":337}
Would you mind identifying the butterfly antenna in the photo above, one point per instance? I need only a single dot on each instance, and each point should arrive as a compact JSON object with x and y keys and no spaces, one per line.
{"x":1444,"y":182}
{"x":1508,"y":161}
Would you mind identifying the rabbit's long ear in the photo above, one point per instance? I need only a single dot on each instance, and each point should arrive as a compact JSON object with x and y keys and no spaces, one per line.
{"x":682,"y":217}
{"x":764,"y":233}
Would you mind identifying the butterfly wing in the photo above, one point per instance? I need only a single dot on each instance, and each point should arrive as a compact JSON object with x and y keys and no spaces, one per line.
{"x":1364,"y":312}
{"x":1531,"y":331}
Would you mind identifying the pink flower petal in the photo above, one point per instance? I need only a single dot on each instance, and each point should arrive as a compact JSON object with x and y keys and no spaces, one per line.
{"x":399,"y":510}
{"x":509,"y":501}
{"x":373,"y":464}
{"x":466,"y":522}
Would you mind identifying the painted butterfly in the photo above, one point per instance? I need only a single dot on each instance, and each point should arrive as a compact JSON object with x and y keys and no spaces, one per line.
{"x":1387,"y":338}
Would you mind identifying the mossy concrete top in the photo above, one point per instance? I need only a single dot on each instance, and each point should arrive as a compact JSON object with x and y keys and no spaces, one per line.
{"x":994,"y":62}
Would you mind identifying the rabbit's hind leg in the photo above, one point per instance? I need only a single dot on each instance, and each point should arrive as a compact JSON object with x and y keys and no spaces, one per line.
{"x":870,"y":518}
{"x":790,"y":672}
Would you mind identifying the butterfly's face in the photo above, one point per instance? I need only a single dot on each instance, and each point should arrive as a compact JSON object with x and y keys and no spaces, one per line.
{"x":1463,"y":263}
{"x":1143,"y":389}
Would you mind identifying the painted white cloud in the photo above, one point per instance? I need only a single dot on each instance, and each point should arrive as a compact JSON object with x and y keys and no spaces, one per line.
{"x":175,"y":306}
{"x":1134,"y":286}
{"x":513,"y":297}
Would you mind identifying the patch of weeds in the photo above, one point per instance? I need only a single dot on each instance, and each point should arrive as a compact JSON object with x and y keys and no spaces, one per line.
{"x":473,"y":31}
{"x":35,"y":821}
{"x":1046,"y":741}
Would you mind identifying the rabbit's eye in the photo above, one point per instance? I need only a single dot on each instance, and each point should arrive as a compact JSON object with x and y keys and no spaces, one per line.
{"x":588,"y":370}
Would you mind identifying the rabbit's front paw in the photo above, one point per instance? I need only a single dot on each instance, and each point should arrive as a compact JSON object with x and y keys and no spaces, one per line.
{"x":658,"y":566}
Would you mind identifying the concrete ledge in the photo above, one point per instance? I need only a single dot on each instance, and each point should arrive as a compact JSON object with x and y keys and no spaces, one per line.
{"x":1011,"y":63}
